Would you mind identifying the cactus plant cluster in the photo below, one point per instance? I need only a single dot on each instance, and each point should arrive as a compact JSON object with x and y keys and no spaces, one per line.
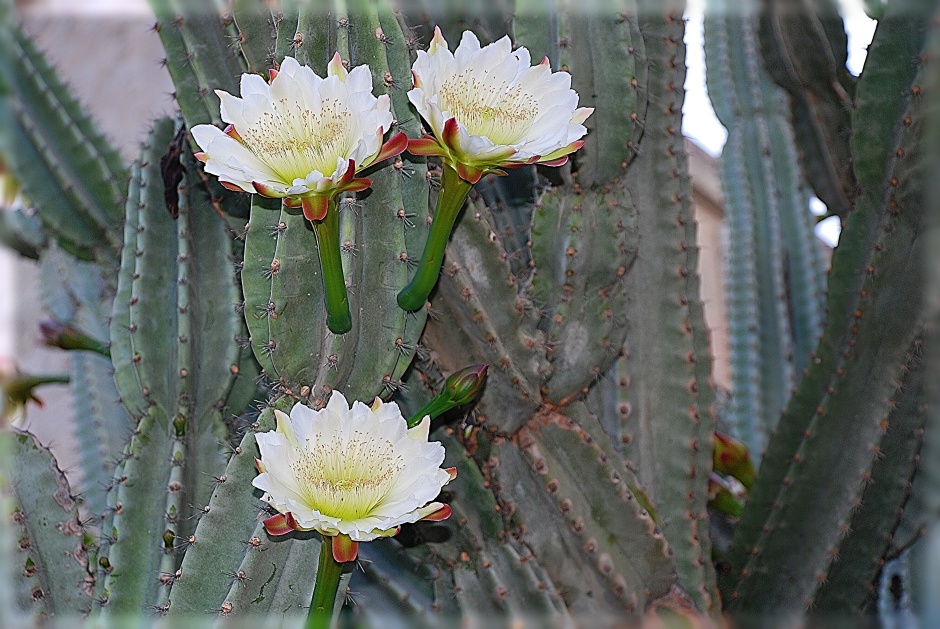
{"x":585,"y":467}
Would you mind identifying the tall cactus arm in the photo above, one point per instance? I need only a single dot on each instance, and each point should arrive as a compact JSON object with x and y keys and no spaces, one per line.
{"x":52,"y":546}
{"x":798,"y":53}
{"x":669,"y":401}
{"x":69,"y":171}
{"x":282,"y":283}
{"x":850,"y":262}
{"x":851,"y":578}
{"x":848,"y":423}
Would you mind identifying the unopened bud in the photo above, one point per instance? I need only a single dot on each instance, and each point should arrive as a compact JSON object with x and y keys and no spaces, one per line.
{"x":65,"y":336}
{"x":732,"y":458}
{"x":463,"y":386}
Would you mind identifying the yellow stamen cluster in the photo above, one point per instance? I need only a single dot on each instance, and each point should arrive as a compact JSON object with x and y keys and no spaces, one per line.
{"x":347,"y":480}
{"x":503,"y":114}
{"x":295,"y":141}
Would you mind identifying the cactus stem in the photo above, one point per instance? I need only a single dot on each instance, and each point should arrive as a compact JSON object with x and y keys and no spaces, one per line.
{"x":335,"y":296}
{"x":454,"y":191}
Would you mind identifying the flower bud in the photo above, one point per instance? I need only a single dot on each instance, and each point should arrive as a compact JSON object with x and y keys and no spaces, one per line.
{"x":65,"y":336}
{"x":731,"y":458}
{"x":463,"y":386}
{"x":460,"y":388}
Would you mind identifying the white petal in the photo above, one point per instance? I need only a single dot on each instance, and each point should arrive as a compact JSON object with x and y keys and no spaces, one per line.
{"x":422,"y":431}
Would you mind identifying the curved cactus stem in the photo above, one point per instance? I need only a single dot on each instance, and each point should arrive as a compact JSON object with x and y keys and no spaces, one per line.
{"x":338,"y":319}
{"x":669,"y":419}
{"x":450,"y":200}
{"x":67,"y":169}
{"x":865,"y":228}
{"x":846,"y":589}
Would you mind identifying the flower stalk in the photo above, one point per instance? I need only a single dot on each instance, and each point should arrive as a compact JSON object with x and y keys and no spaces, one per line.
{"x":336,"y":299}
{"x":326,"y":588}
{"x":450,"y":200}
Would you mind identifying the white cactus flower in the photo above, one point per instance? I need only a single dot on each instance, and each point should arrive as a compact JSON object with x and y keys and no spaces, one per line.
{"x":300,"y":138}
{"x":489,"y":108}
{"x":354,"y":474}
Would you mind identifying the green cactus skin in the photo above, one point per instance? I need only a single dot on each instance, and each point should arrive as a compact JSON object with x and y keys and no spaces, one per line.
{"x":470,"y":323}
{"x":851,"y":576}
{"x":199,"y":57}
{"x":10,"y":611}
{"x":23,"y":232}
{"x":224,"y":534}
{"x":669,"y":418}
{"x":64,"y":164}
{"x":582,"y":247}
{"x":79,"y":293}
{"x":303,"y":358}
{"x":862,"y":232}
{"x":798,"y":44}
{"x":182,"y":386}
{"x":52,"y":557}
{"x":769,"y":221}
{"x":858,"y":400}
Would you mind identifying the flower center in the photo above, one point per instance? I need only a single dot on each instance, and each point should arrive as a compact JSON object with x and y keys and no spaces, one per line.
{"x":347,"y":480}
{"x":502,"y":113}
{"x":295,"y":141}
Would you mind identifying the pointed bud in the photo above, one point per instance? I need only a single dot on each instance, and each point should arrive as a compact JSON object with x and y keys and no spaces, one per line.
{"x":460,"y":388}
{"x":64,"y":336}
{"x":463,"y":386}
{"x":732,"y":458}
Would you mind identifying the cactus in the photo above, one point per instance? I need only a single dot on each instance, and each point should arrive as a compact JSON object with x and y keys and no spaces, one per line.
{"x":775,"y":267}
{"x":583,"y":468}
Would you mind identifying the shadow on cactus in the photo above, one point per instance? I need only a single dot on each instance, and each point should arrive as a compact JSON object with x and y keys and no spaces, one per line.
{"x":269,"y":325}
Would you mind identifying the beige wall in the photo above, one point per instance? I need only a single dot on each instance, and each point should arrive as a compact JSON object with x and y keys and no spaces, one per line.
{"x":710,"y":215}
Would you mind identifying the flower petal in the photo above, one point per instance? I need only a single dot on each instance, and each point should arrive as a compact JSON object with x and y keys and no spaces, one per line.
{"x":344,"y":549}
{"x":280,"y":524}
{"x":315,"y":207}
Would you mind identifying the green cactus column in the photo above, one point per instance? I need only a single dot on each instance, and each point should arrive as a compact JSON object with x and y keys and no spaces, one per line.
{"x":670,"y":419}
{"x":774,"y":272}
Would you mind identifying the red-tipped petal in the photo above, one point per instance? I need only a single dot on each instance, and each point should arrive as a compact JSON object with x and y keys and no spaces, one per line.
{"x":259,"y":466}
{"x":441,"y":514}
{"x":414,"y":79}
{"x":358,"y":184}
{"x":230,"y":186}
{"x":231,"y":132}
{"x":280,"y":524}
{"x":469,"y":173}
{"x":267,"y":191}
{"x":545,"y":61}
{"x":344,"y":549}
{"x":425,"y":146}
{"x":452,"y":472}
{"x":272,"y":73}
{"x":451,"y":134}
{"x":556,"y":162}
{"x":315,"y":207}
{"x":349,"y":175}
{"x":396,"y":145}
{"x":293,"y":202}
{"x":202,"y":157}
